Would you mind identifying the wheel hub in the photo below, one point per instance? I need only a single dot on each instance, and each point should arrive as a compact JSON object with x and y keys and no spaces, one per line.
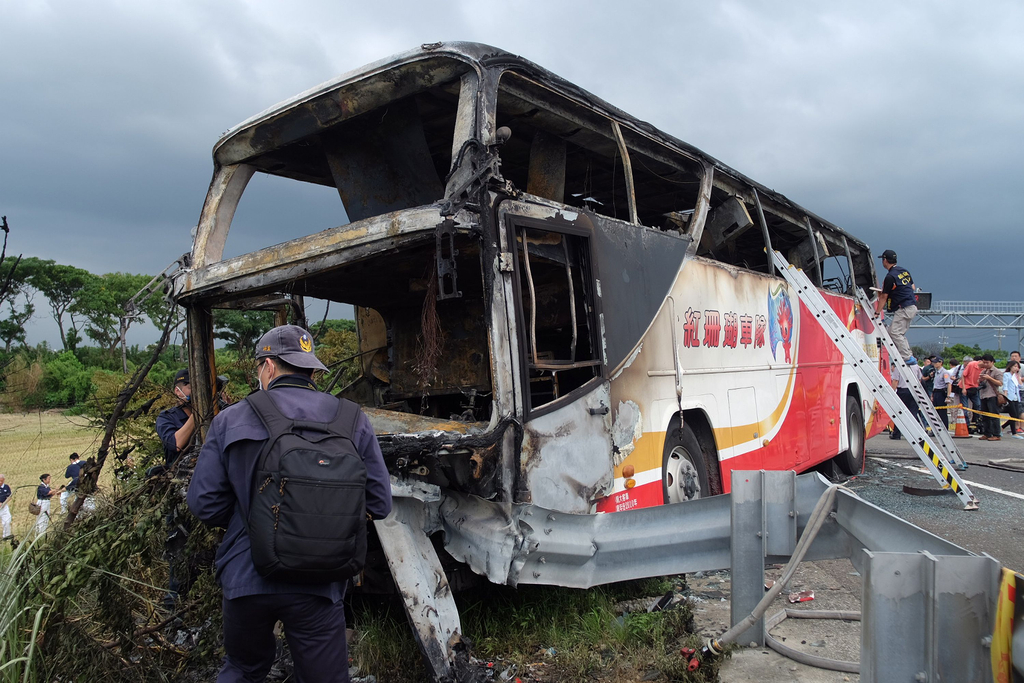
{"x":683,"y":479}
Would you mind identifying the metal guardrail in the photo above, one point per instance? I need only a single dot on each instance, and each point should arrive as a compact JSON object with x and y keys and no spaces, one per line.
{"x":949,"y":591}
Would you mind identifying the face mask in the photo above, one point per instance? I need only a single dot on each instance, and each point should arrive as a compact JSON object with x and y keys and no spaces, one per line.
{"x":259,"y":375}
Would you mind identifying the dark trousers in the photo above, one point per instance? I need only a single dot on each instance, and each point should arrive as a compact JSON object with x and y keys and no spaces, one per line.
{"x":974,"y":402}
{"x":908,"y":400}
{"x":313,"y":625}
{"x":990,"y":425}
{"x":1014,"y":407}
{"x":939,"y":400}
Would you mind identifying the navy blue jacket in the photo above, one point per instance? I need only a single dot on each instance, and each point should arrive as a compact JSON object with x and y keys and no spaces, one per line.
{"x":167,"y":423}
{"x":899,"y":286}
{"x":222,"y":484}
{"x":5,"y":492}
{"x":72,"y":472}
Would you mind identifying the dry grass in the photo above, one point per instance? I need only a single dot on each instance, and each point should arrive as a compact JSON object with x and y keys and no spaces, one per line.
{"x":35,"y":443}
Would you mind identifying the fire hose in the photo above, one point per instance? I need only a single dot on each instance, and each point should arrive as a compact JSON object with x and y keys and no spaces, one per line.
{"x":715,"y":647}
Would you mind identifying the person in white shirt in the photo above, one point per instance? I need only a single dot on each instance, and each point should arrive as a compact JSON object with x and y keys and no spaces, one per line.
{"x":1012,"y":391}
{"x":5,"y":508}
{"x":942,"y":386}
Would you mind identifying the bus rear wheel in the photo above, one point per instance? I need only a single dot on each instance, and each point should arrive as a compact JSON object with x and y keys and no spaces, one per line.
{"x":851,"y":461}
{"x":684,"y":474}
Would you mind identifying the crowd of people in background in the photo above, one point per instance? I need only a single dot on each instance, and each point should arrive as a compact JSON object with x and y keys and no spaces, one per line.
{"x":40,"y":504}
{"x":976,"y":384}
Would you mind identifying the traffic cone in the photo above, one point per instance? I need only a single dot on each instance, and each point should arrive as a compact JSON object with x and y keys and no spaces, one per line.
{"x":961,"y":425}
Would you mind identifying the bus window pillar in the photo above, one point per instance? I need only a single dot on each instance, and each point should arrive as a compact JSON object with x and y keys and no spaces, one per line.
{"x":203,"y":370}
{"x":764,"y":231}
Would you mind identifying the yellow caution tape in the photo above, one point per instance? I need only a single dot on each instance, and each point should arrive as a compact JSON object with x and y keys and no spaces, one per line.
{"x":979,"y":412}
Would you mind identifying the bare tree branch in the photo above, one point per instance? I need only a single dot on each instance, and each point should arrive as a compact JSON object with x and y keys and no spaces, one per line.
{"x":3,"y":255}
{"x":91,"y":471}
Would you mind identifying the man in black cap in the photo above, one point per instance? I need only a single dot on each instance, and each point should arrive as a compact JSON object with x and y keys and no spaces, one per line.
{"x":898,"y":297}
{"x":176,"y":425}
{"x":220,"y":494}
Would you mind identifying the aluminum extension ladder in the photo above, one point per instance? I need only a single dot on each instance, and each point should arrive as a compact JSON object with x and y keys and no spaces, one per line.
{"x":925,"y":445}
{"x":924,"y":401}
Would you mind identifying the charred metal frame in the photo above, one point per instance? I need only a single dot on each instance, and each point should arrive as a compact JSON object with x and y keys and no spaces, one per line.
{"x":470,"y":205}
{"x":562,"y":228}
{"x":475,"y":196}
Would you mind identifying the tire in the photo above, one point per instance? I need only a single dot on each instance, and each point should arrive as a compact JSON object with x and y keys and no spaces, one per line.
{"x":851,"y":461}
{"x":684,"y":474}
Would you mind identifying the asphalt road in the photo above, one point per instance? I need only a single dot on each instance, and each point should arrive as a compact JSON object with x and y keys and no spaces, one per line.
{"x":997,"y":528}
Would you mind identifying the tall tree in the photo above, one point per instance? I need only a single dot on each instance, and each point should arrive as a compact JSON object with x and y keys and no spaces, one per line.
{"x":12,"y":328}
{"x":61,"y":285}
{"x":103,"y":300}
{"x":241,"y":329}
{"x":7,"y":267}
{"x":12,"y":287}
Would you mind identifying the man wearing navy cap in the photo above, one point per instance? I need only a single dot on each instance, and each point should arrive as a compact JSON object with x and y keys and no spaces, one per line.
{"x":313,"y":614}
{"x":897,"y":296}
{"x":176,"y":425}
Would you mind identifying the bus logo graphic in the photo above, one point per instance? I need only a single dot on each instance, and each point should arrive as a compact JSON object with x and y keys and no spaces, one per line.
{"x":780,"y":319}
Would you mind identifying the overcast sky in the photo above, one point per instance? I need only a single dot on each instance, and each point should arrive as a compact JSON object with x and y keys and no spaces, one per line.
{"x":901,"y":122}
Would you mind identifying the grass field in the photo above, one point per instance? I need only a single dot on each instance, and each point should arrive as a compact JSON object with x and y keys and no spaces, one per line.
{"x":35,"y":443}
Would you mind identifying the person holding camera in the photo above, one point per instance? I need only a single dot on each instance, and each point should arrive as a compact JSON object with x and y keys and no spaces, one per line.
{"x":991,"y":383}
{"x":175,"y":426}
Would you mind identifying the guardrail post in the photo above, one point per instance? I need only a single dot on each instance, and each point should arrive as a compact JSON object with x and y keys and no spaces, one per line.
{"x":747,"y":551}
{"x":764,"y":521}
{"x":927,"y":617}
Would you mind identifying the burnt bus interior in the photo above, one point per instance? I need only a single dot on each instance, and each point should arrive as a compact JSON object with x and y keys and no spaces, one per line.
{"x":427,"y":356}
{"x":733,"y":234}
{"x":568,"y":153}
{"x":396,"y":156}
{"x":557,"y":308}
{"x":562,"y":151}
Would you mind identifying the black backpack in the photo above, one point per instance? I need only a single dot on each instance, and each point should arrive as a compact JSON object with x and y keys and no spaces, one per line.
{"x":307,"y":512}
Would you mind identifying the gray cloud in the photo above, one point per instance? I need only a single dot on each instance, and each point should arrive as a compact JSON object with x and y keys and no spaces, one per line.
{"x":901,"y":122}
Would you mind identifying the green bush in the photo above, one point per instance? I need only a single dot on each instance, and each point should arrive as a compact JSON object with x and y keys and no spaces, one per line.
{"x":66,"y":382}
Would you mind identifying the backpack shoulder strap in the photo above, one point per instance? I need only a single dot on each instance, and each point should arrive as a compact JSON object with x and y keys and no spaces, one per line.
{"x":269,"y":414}
{"x":344,"y":422}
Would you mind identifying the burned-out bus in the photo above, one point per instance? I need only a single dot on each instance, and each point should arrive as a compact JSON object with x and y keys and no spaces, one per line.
{"x":556,"y":303}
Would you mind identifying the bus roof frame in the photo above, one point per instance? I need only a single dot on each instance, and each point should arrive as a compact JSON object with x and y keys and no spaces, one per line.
{"x":481,"y":58}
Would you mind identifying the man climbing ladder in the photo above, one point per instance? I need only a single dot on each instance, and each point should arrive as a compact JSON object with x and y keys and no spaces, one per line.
{"x":935,"y":457}
{"x":923,"y":401}
{"x":898,"y":297}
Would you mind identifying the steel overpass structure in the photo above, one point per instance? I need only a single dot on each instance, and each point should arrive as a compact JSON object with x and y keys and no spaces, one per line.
{"x":976,"y":315}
